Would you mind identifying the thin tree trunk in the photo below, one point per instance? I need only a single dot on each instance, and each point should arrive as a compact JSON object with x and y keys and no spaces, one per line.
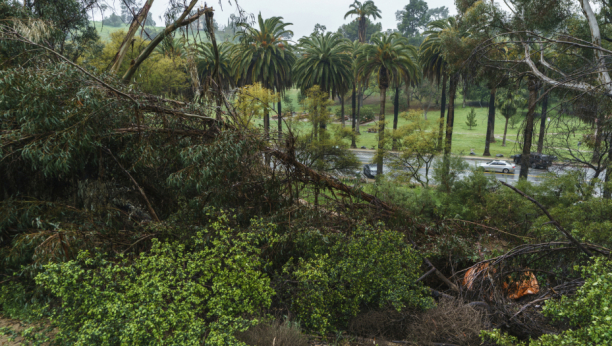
{"x":492,"y":111}
{"x":280,"y":121}
{"x":354,"y":116}
{"x":127,"y":41}
{"x":597,"y":147}
{"x":607,"y":193}
{"x":395,"y":116}
{"x":488,"y":135}
{"x":450,"y":119}
{"x":528,"y":134}
{"x":381,"y":131}
{"x":505,"y":132}
{"x":543,"y":124}
{"x":442,"y":110}
{"x":359,"y":105}
{"x":342,"y":110}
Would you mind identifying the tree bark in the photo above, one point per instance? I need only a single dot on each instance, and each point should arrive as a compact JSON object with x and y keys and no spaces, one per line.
{"x":381,"y":131}
{"x":607,"y":192}
{"x":505,"y":132}
{"x":488,"y":135}
{"x":492,"y":115}
{"x":127,"y":41}
{"x":342,"y":110}
{"x":450,"y":119}
{"x":543,"y":124}
{"x":528,"y":133}
{"x":159,"y":38}
{"x":354,"y":116}
{"x":442,"y":110}
{"x":395,"y":116}
{"x":359,"y":104}
{"x":280,"y":121}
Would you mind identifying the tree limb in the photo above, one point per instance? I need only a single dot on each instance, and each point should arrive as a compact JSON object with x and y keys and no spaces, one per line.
{"x":554,"y":222}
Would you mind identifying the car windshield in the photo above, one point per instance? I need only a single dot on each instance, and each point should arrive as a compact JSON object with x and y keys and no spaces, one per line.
{"x":488,"y":163}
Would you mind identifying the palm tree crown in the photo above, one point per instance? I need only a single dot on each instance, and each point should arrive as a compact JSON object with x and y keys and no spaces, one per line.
{"x":431,"y":57}
{"x":206,"y":63}
{"x":363,"y":11}
{"x":263,"y":55}
{"x":326,"y":61}
{"x":390,"y":57}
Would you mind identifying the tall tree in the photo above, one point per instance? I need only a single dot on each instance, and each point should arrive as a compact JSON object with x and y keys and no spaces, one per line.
{"x":325,"y":61}
{"x":528,"y":132}
{"x":508,"y":104}
{"x":413,"y":18}
{"x":350,"y":30}
{"x":389,"y":58}
{"x":205,"y":62}
{"x":363,"y":11}
{"x":263,"y":55}
{"x":432,"y":61}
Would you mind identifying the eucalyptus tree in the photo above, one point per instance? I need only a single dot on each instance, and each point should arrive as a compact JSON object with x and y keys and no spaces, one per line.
{"x":389,"y":58}
{"x":363,"y":11}
{"x":433,"y":64}
{"x":325,"y":61}
{"x":508,"y":103}
{"x":263,"y":55}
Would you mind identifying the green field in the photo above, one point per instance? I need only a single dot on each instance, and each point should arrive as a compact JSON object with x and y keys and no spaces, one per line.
{"x":464,"y":139}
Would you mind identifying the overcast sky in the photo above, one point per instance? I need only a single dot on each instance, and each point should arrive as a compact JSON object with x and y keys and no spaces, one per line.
{"x":304,"y":14}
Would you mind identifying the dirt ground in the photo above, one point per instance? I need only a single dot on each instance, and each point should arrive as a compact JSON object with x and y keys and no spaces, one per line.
{"x":16,"y":326}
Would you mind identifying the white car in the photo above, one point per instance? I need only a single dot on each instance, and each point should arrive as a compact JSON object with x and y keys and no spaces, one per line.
{"x":498,"y":166}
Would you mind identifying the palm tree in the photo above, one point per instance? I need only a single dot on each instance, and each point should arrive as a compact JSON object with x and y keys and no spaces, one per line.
{"x":206,"y":63}
{"x":439,"y":31}
{"x":356,"y":95}
{"x":433,"y":64}
{"x":508,"y":104}
{"x":263,"y":55}
{"x":363,"y":11}
{"x":170,"y":47}
{"x":389,"y":57}
{"x":326,"y":61}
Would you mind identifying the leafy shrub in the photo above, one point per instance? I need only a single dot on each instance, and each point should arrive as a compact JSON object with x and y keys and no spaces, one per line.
{"x":588,"y":312}
{"x":366,"y":115}
{"x":346,"y":273}
{"x":168,"y":296}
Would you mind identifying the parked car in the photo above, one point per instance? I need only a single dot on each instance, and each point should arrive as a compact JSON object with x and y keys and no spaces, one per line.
{"x":370,"y":171}
{"x":497,"y":166}
{"x":536,"y":160}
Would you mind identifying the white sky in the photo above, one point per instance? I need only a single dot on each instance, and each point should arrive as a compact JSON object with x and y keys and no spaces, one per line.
{"x":304,"y":14}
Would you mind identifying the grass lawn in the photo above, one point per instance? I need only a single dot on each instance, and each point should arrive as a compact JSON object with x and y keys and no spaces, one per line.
{"x":464,"y":139}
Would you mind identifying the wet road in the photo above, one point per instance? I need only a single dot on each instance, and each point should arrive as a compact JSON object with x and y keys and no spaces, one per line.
{"x":535,"y":175}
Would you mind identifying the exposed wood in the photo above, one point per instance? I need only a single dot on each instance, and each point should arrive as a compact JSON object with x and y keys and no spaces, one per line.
{"x":138,"y":20}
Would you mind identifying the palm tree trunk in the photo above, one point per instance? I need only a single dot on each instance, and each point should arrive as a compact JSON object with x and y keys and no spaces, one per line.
{"x":490,"y":120}
{"x":359,"y":104}
{"x":543,"y":124}
{"x":395,"y":116}
{"x":492,"y":111}
{"x":528,"y":134}
{"x":342,"y":110}
{"x":354,"y":115}
{"x":381,"y":131}
{"x":280,"y":121}
{"x":505,"y":132}
{"x":450,"y":119}
{"x":607,"y":193}
{"x":442,"y":110}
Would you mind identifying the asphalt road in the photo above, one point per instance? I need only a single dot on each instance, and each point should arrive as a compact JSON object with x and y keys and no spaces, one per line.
{"x":535,"y":175}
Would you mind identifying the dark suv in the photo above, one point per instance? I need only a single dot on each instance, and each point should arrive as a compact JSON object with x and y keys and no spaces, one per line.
{"x":536,"y":160}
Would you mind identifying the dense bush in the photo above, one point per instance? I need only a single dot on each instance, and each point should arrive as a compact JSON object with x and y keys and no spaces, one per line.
{"x":171,"y":295}
{"x":342,"y":275}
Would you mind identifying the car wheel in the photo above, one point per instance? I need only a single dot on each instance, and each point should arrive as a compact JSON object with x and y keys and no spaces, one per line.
{"x":506,"y":170}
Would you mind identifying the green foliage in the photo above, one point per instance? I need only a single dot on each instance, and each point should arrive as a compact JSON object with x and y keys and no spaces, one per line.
{"x":343,"y":273}
{"x":413,"y":17}
{"x":171,"y":295}
{"x":471,"y":119}
{"x":366,"y":114}
{"x":447,"y":170}
{"x":588,"y":312}
{"x":113,"y":20}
